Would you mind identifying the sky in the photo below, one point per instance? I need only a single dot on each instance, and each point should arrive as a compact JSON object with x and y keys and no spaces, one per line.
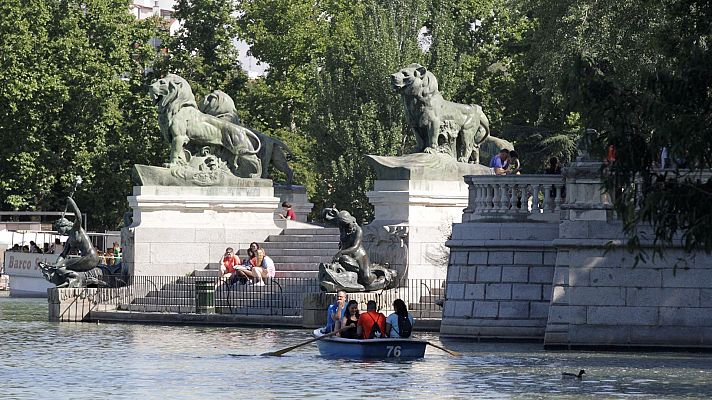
{"x":250,"y":64}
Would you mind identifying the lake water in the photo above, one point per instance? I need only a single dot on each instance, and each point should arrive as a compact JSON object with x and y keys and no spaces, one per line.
{"x":41,"y":360}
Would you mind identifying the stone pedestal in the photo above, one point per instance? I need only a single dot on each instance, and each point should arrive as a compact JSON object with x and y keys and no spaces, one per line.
{"x":178,"y":229}
{"x":416,"y":199}
{"x":413,"y":220}
{"x":70,"y":305}
{"x":297,"y":197}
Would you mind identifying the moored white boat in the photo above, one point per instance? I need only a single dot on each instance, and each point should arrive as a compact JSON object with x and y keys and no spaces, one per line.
{"x":379,"y":349}
{"x":26,"y":279}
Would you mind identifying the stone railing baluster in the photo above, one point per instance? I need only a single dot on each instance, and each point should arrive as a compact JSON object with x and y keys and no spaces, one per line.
{"x":558,"y":200}
{"x":493,"y":197}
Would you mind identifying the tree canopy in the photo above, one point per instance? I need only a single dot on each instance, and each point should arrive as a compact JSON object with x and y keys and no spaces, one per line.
{"x":74,"y":75}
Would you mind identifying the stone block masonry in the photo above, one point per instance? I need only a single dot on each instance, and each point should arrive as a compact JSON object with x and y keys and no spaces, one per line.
{"x":559,"y":271}
{"x":604,"y":302}
{"x":500,"y":287}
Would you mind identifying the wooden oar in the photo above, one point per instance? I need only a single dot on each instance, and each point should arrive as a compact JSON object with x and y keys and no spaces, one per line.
{"x":451,"y":352}
{"x":288,"y":349}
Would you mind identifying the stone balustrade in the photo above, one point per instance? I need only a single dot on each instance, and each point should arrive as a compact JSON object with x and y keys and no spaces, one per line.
{"x":517,"y":197}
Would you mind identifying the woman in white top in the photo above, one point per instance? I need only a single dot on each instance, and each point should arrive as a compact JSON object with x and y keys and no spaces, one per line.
{"x":400,"y":323}
{"x":264,"y":269}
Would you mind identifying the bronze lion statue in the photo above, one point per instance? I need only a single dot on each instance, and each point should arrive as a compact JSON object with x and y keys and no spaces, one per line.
{"x":184,"y":127}
{"x":272,"y":151}
{"x":440,"y":126}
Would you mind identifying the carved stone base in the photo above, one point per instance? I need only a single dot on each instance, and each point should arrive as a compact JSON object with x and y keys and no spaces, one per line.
{"x":177,"y":229}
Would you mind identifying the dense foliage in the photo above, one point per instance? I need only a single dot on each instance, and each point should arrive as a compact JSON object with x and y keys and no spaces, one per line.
{"x":72,"y":102}
{"x":73,"y":80}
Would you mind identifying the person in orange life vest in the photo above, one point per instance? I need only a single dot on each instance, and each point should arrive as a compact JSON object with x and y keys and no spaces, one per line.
{"x":229,"y":263}
{"x":371,"y":324}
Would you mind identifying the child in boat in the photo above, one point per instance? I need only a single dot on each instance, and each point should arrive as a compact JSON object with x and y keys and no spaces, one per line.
{"x":372,"y":324}
{"x":400,"y":323}
{"x":351,"y":318}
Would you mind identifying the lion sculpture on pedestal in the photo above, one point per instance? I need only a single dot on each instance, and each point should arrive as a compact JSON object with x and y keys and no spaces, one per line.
{"x":273,"y":152}
{"x":440,"y":126}
{"x":185,"y":127}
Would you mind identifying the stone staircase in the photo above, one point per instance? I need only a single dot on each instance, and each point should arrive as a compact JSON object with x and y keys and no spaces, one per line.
{"x":296,"y":252}
{"x":426,"y":307}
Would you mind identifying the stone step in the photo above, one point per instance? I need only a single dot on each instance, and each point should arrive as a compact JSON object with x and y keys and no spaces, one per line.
{"x":225,"y":298}
{"x":303,"y":238}
{"x":311,"y":231}
{"x":428,"y":299}
{"x":424,"y":307}
{"x":282,"y":283}
{"x":297,"y":274}
{"x":293,"y":252}
{"x":279,"y":267}
{"x":297,"y":266}
{"x":218,"y":309}
{"x":303,"y":259}
{"x":207,"y":272}
{"x":296,"y":244}
{"x":426,"y":315}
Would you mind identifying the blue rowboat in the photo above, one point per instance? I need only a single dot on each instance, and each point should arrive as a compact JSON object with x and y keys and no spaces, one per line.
{"x":379,"y":349}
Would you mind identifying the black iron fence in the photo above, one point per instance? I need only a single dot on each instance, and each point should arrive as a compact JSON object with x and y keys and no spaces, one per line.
{"x":279,"y":296}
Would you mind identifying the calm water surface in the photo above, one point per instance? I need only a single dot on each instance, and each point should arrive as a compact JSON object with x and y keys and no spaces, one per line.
{"x":41,"y":360}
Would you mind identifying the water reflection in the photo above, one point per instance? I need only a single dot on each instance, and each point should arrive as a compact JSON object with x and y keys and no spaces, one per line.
{"x":46,"y":360}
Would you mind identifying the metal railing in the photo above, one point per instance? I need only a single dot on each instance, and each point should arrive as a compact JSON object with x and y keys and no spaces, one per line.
{"x":279,"y":296}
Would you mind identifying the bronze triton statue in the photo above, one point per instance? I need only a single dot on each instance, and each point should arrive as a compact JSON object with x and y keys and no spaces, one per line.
{"x":81,"y":271}
{"x":351,"y":269}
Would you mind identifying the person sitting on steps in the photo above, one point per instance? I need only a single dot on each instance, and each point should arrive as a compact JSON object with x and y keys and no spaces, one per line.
{"x":228,"y":265}
{"x":288,"y":212}
{"x":264,"y":268}
{"x":372,"y":324}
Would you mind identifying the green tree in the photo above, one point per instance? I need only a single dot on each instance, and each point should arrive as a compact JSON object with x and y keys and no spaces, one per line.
{"x":355,"y":112}
{"x":203,"y":50}
{"x":638,"y":72}
{"x":67,"y":71}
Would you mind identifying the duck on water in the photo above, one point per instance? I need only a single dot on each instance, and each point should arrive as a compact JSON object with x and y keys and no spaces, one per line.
{"x":578,"y":376}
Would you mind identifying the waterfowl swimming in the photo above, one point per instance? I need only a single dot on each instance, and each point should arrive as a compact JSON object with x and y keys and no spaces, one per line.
{"x":570,"y":375}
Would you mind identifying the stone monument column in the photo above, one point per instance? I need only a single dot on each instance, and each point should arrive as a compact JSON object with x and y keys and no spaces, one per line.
{"x":417,"y":198}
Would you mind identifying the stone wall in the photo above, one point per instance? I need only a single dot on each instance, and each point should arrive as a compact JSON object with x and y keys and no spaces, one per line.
{"x":499,"y":280}
{"x":570,"y":282}
{"x":600,"y":298}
